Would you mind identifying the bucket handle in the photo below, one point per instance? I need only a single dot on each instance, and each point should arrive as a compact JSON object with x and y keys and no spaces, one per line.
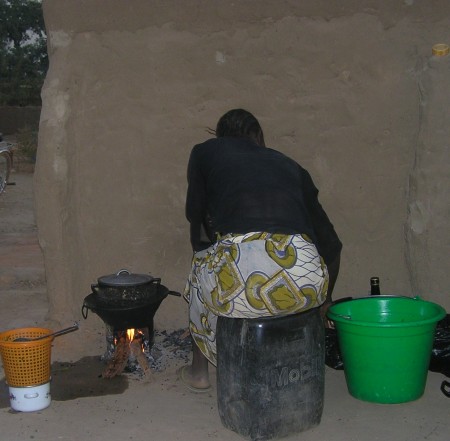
{"x":346,"y":317}
{"x":29,"y":396}
{"x":444,"y":386}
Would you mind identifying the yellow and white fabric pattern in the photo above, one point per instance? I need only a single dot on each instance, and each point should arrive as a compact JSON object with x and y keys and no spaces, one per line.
{"x":250,"y":276}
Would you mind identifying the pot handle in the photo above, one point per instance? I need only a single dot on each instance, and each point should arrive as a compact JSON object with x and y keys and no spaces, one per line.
{"x":174,"y":293}
{"x":122,"y":271}
{"x":94,"y":289}
{"x":84,"y":311}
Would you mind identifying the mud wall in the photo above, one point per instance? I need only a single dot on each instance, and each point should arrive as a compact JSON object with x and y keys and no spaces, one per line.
{"x":350,"y":91}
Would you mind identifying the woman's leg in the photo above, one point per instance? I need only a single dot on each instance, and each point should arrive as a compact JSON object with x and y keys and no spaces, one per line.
{"x":197,"y":374}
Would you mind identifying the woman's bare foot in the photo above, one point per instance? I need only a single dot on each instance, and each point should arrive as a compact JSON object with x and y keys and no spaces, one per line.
{"x":196,"y":376}
{"x":195,"y":380}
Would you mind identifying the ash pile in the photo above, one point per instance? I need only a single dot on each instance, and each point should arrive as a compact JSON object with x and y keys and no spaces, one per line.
{"x":169,"y":347}
{"x":141,"y":357}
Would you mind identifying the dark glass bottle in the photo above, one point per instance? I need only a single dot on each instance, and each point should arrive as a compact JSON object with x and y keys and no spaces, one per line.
{"x":374,"y":286}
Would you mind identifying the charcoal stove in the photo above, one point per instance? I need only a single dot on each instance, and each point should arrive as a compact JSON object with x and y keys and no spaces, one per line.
{"x":125,"y":302}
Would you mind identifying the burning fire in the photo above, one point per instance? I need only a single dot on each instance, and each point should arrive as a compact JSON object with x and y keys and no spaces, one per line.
{"x":129,"y":343}
{"x":130,"y":334}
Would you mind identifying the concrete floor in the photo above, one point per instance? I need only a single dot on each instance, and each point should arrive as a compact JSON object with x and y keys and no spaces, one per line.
{"x":166,"y":411}
{"x":85,"y":407}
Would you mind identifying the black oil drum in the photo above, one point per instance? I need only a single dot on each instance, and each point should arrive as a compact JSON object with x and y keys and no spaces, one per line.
{"x":270,"y":374}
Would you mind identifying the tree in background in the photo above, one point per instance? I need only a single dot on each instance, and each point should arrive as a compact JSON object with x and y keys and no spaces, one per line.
{"x":23,"y":52}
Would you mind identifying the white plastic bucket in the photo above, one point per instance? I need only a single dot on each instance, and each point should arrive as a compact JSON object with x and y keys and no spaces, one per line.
{"x":30,"y":399}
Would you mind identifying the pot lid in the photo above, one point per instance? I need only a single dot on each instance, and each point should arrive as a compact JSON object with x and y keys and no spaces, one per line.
{"x":125,"y":278}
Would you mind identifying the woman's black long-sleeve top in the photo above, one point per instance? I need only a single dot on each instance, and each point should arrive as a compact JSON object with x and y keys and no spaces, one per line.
{"x":237,"y":186}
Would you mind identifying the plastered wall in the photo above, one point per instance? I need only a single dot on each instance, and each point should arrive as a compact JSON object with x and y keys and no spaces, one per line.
{"x":350,"y":91}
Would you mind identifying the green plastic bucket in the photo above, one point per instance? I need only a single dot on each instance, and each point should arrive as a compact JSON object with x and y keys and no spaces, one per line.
{"x":386,"y":344}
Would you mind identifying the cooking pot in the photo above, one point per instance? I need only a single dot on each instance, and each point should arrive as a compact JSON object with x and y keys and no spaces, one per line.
{"x":125,"y":286}
{"x":126,"y":300}
{"x":30,"y":398}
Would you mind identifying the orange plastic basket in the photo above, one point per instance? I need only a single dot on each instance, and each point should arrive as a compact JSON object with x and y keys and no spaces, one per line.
{"x":26,"y":363}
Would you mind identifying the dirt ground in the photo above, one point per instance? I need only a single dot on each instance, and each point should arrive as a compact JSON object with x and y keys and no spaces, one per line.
{"x":85,"y":406}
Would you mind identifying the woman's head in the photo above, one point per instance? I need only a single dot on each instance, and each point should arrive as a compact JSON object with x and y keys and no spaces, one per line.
{"x":241,"y":124}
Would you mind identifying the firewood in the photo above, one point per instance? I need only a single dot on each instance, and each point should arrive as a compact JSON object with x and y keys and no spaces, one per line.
{"x":136,"y":350}
{"x":185,"y":334}
{"x":119,"y":361}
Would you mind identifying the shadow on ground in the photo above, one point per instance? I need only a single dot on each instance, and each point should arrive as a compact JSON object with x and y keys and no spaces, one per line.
{"x":80,"y":379}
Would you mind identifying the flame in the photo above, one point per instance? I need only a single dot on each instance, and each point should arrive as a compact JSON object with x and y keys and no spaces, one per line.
{"x":130,"y":334}
{"x":135,"y":334}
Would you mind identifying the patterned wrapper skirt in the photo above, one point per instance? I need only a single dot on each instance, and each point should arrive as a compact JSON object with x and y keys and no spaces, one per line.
{"x":252,"y":275}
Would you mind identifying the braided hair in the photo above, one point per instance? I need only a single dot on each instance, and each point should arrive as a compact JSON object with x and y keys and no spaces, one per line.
{"x":241,"y":124}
